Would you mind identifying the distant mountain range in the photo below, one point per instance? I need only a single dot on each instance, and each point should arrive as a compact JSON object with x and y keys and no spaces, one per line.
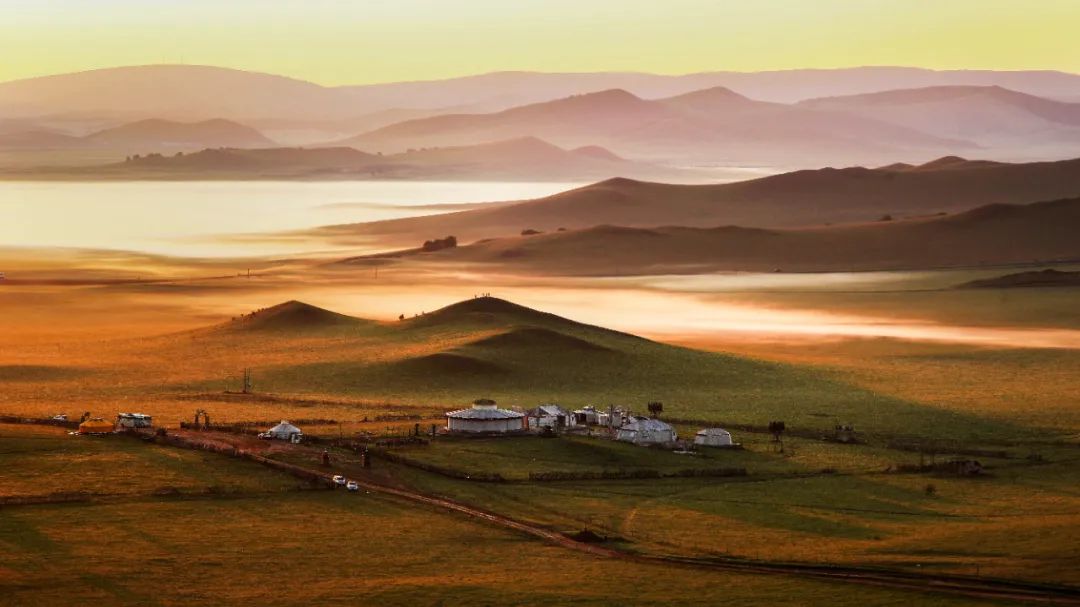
{"x":871,"y":115}
{"x":790,"y":200}
{"x":714,"y":125}
{"x":991,"y":116}
{"x":151,"y":135}
{"x":989,"y":235}
{"x":527,"y":158}
{"x":190,"y":92}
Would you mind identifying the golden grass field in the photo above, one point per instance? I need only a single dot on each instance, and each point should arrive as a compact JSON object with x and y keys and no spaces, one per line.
{"x":243,"y":544}
{"x":168,"y":348}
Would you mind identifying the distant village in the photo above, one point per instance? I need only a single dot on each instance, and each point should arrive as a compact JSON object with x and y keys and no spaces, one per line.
{"x":486,"y":419}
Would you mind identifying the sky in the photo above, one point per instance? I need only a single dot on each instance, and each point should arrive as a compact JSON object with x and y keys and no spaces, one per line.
{"x":362,"y":41}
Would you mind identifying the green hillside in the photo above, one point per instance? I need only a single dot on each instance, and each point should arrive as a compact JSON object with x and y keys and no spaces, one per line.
{"x":521,"y":357}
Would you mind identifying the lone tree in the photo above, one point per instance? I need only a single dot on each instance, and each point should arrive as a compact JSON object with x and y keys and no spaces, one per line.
{"x":656,"y":408}
{"x":777,"y":428}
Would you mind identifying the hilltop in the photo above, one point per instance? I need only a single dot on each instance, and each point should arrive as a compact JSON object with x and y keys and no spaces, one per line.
{"x":291,"y":317}
{"x":797,"y":199}
{"x":151,"y":135}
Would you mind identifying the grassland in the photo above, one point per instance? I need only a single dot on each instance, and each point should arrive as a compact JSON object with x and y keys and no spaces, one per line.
{"x":1019,"y":522}
{"x":817,"y":502}
{"x":45,"y":461}
{"x":320,"y":547}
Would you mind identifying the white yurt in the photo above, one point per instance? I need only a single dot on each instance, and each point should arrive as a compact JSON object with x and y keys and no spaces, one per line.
{"x":485,"y":416}
{"x":646,"y":431}
{"x":713,"y":437}
{"x":284,"y":431}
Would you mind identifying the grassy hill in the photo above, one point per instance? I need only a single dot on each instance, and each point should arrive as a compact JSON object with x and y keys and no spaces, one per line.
{"x":488,"y":347}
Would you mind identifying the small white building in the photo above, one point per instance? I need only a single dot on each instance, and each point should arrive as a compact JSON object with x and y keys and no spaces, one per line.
{"x":587,"y":416}
{"x":646,"y":431}
{"x":284,"y":431}
{"x":134,"y":420}
{"x":713,"y":437}
{"x":549,"y":416}
{"x":485,"y":416}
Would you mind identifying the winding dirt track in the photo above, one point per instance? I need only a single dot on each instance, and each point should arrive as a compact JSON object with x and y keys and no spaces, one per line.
{"x":991,"y":589}
{"x":960,"y":585}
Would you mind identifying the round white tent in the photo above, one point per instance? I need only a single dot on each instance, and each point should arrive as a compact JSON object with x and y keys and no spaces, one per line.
{"x":284,"y":431}
{"x":646,"y":431}
{"x":713,"y":437}
{"x":484,"y":416}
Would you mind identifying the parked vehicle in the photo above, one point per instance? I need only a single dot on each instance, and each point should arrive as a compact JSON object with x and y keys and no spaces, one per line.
{"x":352,"y":486}
{"x":339,"y":480}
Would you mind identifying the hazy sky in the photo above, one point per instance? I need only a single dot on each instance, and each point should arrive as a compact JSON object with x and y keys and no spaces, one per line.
{"x":337,"y":42}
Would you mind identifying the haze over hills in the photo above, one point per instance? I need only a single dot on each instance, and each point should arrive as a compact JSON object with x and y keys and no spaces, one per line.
{"x":989,"y":235}
{"x":190,"y":92}
{"x":796,"y":199}
{"x":526,"y":158}
{"x":715,"y":118}
{"x":151,"y":135}
{"x":714,"y":125}
{"x":993,"y":116}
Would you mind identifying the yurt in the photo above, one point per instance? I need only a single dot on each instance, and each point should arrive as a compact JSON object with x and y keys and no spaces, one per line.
{"x":713,"y":437}
{"x":646,"y":431}
{"x":284,"y":431}
{"x":485,"y":416}
{"x":96,"y":425}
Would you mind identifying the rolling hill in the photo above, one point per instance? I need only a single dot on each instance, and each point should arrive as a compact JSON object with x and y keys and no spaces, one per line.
{"x":797,"y":199}
{"x":990,"y":235}
{"x":526,"y":158}
{"x":714,"y":125}
{"x":488,"y":347}
{"x":152,"y":135}
{"x":992,"y":116}
{"x":167,"y":134}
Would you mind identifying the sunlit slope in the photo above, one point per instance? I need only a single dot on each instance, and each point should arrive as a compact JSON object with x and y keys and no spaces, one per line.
{"x":488,"y":347}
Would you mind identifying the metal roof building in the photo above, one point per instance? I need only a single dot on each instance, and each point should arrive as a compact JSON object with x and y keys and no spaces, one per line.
{"x":484,"y":416}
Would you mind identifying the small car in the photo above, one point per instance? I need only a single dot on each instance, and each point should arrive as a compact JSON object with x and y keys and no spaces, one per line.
{"x":352,"y":486}
{"x":339,"y":480}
